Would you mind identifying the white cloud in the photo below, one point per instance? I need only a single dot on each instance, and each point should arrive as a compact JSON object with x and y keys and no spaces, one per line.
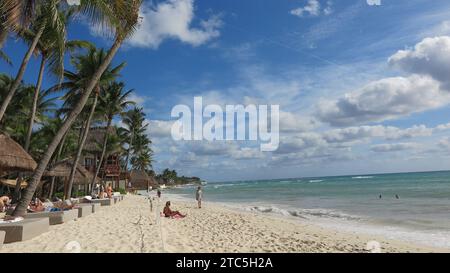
{"x":444,"y":143}
{"x":427,"y":86}
{"x":350,"y":134}
{"x":291,"y":122}
{"x":139,"y":100}
{"x":313,"y":8}
{"x":159,"y":128}
{"x":385,"y":99}
{"x":173,"y":19}
{"x":382,"y":148}
{"x":430,"y":57}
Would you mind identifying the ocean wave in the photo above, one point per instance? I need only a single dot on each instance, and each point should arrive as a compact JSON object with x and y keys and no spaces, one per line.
{"x":224,"y":185}
{"x":315,"y":181}
{"x":304,"y":213}
{"x":362,"y":177}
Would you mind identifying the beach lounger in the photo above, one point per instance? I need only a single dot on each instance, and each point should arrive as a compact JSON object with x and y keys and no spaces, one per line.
{"x":24,"y":230}
{"x":84,"y":210}
{"x":95,"y":206}
{"x":2,"y":237}
{"x":116,"y":199}
{"x":54,"y":217}
{"x":103,"y":202}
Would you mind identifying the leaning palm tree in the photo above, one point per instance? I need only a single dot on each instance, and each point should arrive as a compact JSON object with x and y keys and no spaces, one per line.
{"x":47,"y":17}
{"x":86,"y":65}
{"x":123,"y":17}
{"x":114,"y":101}
{"x":52,"y":47}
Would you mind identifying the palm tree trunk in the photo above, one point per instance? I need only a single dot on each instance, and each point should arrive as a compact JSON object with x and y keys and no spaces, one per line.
{"x":3,"y":35}
{"x":81,"y":146}
{"x":35,"y":101}
{"x":55,"y":160}
{"x":105,"y":142}
{"x":20,"y":74}
{"x":128,"y":156}
{"x":21,"y":208}
{"x":30,"y":124}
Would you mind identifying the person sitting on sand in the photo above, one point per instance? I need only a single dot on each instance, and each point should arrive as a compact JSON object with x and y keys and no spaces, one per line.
{"x":4,"y":203}
{"x":171,"y":213}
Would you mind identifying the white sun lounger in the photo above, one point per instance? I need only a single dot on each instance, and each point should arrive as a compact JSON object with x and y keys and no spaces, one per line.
{"x":24,"y":230}
{"x":2,"y":237}
{"x":95,"y":206}
{"x":103,"y":202}
{"x":55,"y":217}
{"x":84,"y":210}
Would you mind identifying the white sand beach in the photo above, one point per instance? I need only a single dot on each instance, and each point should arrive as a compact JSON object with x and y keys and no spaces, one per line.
{"x":130,"y":226}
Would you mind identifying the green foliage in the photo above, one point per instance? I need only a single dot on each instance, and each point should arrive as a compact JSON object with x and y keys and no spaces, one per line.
{"x":122,"y":191}
{"x":78,"y":193}
{"x":59,"y":195}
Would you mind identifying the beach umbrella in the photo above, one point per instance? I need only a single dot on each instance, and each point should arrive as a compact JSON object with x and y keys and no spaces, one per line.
{"x":13,"y":157}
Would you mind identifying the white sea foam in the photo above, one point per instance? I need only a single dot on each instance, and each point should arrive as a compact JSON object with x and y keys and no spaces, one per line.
{"x":362,"y":177}
{"x":304,"y":213}
{"x":315,"y":181}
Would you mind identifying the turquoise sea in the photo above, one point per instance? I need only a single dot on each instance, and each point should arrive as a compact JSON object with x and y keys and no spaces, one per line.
{"x":421,"y":213}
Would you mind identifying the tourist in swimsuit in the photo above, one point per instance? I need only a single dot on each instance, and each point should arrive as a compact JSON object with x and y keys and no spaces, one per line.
{"x":171,"y":213}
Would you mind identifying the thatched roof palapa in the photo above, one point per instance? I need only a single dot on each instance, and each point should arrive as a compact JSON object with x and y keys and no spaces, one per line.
{"x":141,"y":180}
{"x":13,"y":157}
{"x":63,"y":168}
{"x":95,"y":138}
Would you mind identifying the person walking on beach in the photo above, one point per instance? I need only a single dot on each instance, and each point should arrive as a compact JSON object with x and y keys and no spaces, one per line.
{"x":199,"y":196}
{"x":158,"y":193}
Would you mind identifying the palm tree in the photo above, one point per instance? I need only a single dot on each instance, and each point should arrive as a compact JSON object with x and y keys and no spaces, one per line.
{"x":123,"y":17}
{"x":66,"y":148}
{"x":52,"y":47}
{"x":112,"y":103}
{"x":142,"y":161}
{"x":86,"y":65}
{"x":15,"y":14}
{"x":133,"y":121}
{"x":15,"y":122}
{"x":47,"y":17}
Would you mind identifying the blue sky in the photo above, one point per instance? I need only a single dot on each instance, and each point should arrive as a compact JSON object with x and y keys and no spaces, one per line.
{"x":360,"y":87}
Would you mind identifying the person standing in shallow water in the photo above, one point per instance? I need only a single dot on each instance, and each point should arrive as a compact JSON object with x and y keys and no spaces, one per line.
{"x":199,"y":196}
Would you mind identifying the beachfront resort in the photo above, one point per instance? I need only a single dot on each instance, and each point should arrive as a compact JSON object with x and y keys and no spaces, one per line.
{"x":224,"y":126}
